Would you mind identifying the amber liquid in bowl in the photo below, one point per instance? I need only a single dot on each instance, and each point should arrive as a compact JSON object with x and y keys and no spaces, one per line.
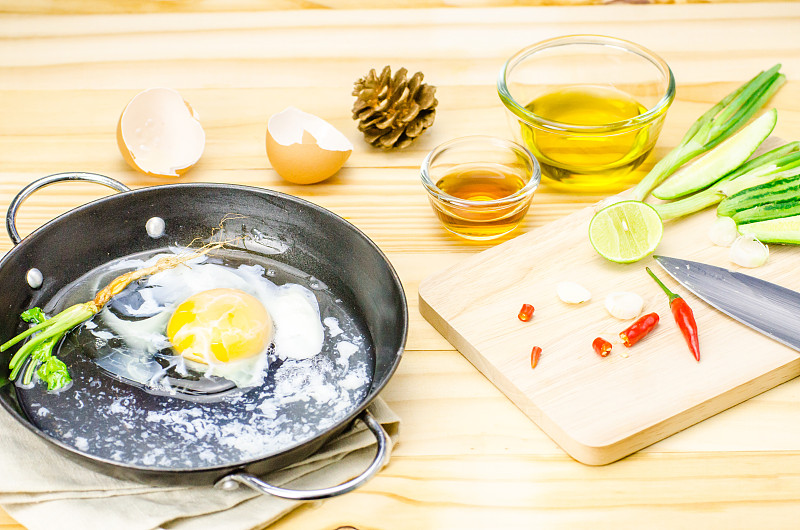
{"x":481,"y":184}
{"x":590,"y":161}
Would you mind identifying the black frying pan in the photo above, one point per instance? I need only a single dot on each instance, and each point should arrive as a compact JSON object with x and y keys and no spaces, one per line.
{"x":316,"y":242}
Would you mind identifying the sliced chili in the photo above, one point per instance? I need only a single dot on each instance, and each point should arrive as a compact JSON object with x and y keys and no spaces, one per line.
{"x":536,"y":353}
{"x":601,"y":346}
{"x":683,"y":316}
{"x":526,"y":313}
{"x":639,"y":329}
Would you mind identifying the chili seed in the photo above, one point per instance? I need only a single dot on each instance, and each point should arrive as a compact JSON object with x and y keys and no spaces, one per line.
{"x":601,"y":346}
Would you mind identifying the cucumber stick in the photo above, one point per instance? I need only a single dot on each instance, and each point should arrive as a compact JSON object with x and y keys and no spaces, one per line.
{"x":771,"y":192}
{"x":720,"y":161}
{"x":773,"y":210}
{"x":769,"y":162}
{"x":756,"y":178}
{"x":781,"y":230}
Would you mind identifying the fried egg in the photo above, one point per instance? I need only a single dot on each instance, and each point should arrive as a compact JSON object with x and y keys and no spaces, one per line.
{"x":220,"y":326}
{"x":210,"y":319}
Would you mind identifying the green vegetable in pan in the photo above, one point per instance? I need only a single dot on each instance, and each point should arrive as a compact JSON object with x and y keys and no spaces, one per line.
{"x":36,"y":355}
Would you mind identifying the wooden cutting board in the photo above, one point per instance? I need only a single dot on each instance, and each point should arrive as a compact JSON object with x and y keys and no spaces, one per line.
{"x":602,"y":409}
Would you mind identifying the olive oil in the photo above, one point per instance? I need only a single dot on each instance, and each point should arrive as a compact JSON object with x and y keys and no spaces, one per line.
{"x":589,"y":160}
{"x":586,"y":105}
{"x":475,"y":214}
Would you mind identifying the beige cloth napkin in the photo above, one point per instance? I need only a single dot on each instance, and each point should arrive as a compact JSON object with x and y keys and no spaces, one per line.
{"x":43,"y":490}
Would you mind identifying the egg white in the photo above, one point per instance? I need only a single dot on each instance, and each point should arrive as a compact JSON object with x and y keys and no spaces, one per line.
{"x":298,"y":330}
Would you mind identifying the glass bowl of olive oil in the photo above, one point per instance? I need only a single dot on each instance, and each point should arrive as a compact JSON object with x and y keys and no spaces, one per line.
{"x":590,"y":108}
{"x":480,"y":187}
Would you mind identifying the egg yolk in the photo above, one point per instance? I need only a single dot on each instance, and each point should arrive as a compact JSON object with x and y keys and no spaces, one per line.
{"x":220,"y":326}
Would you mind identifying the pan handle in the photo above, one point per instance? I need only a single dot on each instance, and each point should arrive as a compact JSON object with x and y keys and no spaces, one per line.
{"x":232,"y":481}
{"x":11,"y":216}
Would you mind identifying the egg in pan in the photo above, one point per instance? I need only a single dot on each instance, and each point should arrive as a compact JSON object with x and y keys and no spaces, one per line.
{"x":204,"y":318}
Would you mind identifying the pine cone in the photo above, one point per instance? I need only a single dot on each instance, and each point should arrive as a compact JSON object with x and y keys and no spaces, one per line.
{"x":393,"y":111}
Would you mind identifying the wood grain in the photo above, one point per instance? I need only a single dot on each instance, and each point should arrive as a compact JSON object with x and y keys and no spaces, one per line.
{"x":468,"y":457}
{"x":92,"y":7}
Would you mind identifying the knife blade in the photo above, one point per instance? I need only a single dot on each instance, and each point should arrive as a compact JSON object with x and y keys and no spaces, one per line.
{"x":766,"y":307}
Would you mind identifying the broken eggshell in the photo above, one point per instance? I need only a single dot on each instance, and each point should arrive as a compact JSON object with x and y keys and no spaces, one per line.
{"x":304,"y":148}
{"x":159,"y":134}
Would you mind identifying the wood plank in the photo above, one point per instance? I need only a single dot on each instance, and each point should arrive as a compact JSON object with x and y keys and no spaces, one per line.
{"x":468,"y":457}
{"x":235,"y":153}
{"x":93,"y":7}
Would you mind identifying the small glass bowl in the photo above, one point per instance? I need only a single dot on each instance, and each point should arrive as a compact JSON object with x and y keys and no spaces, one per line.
{"x":610,"y":97}
{"x":480,"y":187}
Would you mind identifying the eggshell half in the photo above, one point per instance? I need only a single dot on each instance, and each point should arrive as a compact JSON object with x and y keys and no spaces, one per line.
{"x":304,"y":148}
{"x":159,"y":134}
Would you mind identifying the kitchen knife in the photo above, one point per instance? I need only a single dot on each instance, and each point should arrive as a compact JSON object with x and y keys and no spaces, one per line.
{"x":766,"y":307}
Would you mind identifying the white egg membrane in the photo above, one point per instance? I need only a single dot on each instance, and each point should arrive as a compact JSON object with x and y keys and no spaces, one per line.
{"x":288,"y":126}
{"x":162,"y":134}
{"x":313,"y":378}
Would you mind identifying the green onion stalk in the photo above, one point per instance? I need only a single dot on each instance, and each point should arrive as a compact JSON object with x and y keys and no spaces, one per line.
{"x":713,"y":127}
{"x":778,"y":162}
{"x":36,"y":356}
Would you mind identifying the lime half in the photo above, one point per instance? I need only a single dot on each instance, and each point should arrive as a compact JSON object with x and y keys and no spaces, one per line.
{"x":626,"y":231}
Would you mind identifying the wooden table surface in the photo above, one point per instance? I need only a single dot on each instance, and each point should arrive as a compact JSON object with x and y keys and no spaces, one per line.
{"x":467,"y":457}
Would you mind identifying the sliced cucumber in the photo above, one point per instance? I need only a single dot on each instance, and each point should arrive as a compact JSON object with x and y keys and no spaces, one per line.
{"x":753,"y":179}
{"x":782,"y":230}
{"x":769,"y":162}
{"x":771,"y":210}
{"x":771,"y":192}
{"x":718,"y":162}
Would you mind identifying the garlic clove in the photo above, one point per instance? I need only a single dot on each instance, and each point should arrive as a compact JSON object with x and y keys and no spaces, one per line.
{"x":747,"y":251}
{"x":624,"y":305}
{"x":572,"y":293}
{"x":723,"y":232}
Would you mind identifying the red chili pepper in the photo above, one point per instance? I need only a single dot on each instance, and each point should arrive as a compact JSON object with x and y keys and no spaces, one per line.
{"x":683,"y":316}
{"x":601,"y":346}
{"x":526,"y":312}
{"x":536,"y":352}
{"x":639,"y":329}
